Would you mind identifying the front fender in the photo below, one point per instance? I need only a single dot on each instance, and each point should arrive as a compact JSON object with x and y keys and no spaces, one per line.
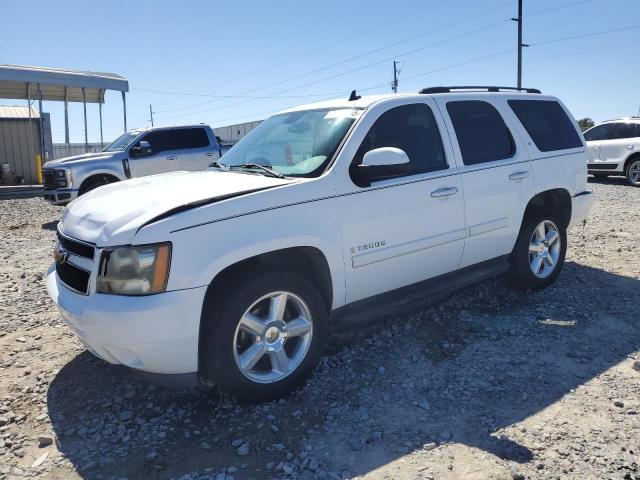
{"x":80,"y":174}
{"x":201,"y":253}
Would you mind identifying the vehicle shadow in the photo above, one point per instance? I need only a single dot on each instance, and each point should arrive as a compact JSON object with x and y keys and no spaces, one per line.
{"x":481,"y":361}
{"x":50,"y":225}
{"x":610,"y":180}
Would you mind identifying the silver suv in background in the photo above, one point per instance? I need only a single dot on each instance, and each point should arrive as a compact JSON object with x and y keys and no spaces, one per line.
{"x":614,"y":149}
{"x":136,"y":153}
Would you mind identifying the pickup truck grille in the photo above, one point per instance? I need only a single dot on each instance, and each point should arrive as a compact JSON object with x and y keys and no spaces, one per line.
{"x":76,"y":248}
{"x":49,"y":180}
{"x":76,"y":278}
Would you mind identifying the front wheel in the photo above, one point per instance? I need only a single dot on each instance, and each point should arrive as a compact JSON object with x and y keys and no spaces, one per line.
{"x":263,"y":337}
{"x":632,"y":172}
{"x":539,"y":253}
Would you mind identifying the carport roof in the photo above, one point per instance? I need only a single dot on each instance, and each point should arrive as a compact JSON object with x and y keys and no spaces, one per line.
{"x":21,"y":81}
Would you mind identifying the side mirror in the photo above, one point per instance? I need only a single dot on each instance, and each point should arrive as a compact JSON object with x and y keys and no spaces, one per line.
{"x":143,"y":149}
{"x":383,"y":163}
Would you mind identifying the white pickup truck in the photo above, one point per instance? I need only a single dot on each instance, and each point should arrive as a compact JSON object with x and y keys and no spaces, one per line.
{"x":137,"y":153}
{"x":323,"y":212}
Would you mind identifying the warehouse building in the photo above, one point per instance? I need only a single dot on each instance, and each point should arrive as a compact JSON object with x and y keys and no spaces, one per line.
{"x":39,"y":84}
{"x":20,"y":142}
{"x":231,"y":134}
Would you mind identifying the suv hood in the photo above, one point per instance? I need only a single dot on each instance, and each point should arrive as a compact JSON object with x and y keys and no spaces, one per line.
{"x":112,"y":214}
{"x":70,"y":161}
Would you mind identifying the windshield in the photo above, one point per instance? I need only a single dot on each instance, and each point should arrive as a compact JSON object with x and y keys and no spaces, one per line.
{"x":121,"y":142}
{"x":298,"y":144}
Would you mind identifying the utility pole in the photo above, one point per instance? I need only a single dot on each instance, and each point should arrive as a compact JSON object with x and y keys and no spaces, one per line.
{"x":394,"y":85}
{"x":520,"y":44}
{"x":151,"y":113}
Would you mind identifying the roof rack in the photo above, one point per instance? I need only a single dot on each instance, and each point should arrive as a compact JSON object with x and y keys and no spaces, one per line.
{"x":487,"y":88}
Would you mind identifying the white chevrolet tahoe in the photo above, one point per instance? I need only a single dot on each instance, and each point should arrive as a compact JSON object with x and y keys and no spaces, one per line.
{"x":322,"y":213}
{"x":140,"y":152}
{"x":614,"y":149}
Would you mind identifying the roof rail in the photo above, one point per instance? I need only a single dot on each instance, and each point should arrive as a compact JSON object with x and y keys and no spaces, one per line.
{"x":487,"y":88}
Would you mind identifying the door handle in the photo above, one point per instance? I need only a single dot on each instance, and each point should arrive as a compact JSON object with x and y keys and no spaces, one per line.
{"x":208,"y":154}
{"x":444,"y":192}
{"x":519,"y":175}
{"x":172,"y":157}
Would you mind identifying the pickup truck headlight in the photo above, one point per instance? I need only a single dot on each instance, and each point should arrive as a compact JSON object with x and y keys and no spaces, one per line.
{"x":137,"y":270}
{"x":64,"y":178}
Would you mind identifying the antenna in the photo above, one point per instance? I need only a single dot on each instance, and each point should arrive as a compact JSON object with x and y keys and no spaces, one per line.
{"x":354,"y":96}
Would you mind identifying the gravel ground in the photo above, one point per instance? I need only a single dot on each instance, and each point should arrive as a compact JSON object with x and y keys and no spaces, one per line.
{"x":489,"y":383}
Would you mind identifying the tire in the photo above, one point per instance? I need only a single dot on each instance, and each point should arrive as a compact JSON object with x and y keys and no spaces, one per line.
{"x":227,"y":342}
{"x":93,"y":183}
{"x":524,"y":260}
{"x":632,"y":172}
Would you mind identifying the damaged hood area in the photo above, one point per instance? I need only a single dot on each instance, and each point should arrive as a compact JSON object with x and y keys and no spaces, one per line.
{"x":111,"y":215}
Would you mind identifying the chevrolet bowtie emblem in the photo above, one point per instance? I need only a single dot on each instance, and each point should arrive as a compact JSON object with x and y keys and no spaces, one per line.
{"x":60,"y":255}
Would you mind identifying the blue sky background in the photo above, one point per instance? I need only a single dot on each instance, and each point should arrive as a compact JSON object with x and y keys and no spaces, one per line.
{"x":300,"y":52}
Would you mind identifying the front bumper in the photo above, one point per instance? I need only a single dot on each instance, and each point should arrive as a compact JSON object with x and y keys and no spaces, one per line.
{"x":580,"y":207}
{"x":60,"y":196}
{"x":153,"y":333}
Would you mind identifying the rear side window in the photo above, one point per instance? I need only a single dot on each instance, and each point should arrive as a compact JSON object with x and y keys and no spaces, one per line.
{"x":547,"y":124}
{"x":481,"y":132}
{"x":412,"y":128}
{"x":600,"y":132}
{"x":625,"y":130}
{"x":186,"y":138}
{"x":160,"y":140}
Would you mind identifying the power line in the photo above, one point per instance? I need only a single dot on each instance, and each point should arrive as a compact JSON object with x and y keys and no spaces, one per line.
{"x":259,"y":115}
{"x":191,"y":94}
{"x":305,"y":54}
{"x":372,"y":87}
{"x":593,"y":34}
{"x":367,"y":53}
{"x":456,"y":22}
{"x":553,"y":9}
{"x":362,"y":67}
{"x":255,"y":97}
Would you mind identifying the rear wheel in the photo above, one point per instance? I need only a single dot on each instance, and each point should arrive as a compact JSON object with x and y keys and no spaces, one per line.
{"x":539,"y":253}
{"x":632,"y":172}
{"x":263,"y":337}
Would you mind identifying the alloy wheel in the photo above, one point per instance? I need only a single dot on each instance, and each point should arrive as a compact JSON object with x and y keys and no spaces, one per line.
{"x":634,"y":172}
{"x":544,"y":249}
{"x":273,"y":337}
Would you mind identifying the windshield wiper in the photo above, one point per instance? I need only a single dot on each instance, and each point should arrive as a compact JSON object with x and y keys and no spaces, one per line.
{"x":219,"y":165}
{"x":264,"y":168}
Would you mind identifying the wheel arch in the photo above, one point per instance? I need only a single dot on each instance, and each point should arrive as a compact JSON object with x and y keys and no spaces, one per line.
{"x":307,"y":260}
{"x":113,"y":177}
{"x":557,"y":200}
{"x":634,"y":156}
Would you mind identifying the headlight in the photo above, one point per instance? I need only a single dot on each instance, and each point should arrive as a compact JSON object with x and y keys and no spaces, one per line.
{"x":64,"y":178}
{"x":69,"y":176}
{"x":140,"y":270}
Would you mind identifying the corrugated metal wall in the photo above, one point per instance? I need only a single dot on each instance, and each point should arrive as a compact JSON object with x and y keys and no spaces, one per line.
{"x":233,"y":133}
{"x":19,"y":143}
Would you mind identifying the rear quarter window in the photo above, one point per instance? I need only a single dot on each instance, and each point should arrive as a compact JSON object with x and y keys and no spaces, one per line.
{"x":547,"y":124}
{"x":191,"y":138}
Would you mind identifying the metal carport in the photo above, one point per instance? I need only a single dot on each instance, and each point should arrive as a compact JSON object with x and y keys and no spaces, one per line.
{"x":58,"y":84}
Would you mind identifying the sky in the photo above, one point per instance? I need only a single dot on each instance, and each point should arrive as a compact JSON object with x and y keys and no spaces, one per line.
{"x":223,"y":63}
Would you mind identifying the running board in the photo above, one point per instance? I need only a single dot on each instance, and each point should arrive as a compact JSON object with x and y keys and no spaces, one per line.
{"x":375,"y":308}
